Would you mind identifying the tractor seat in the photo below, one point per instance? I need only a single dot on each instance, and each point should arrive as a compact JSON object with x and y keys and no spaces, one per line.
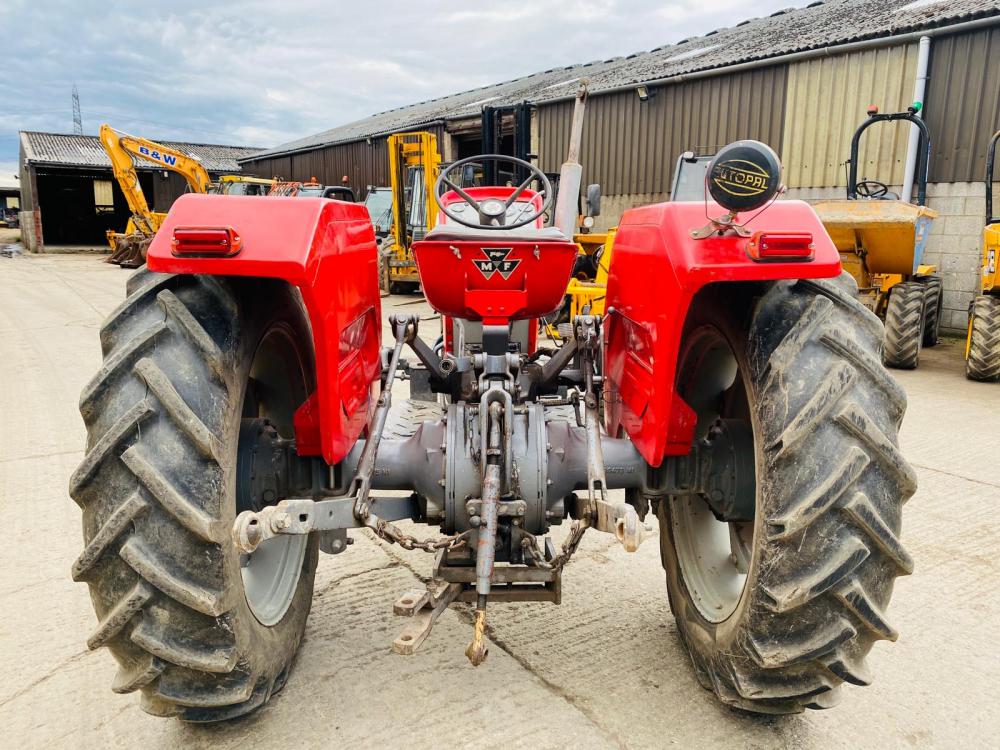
{"x":460,"y":233}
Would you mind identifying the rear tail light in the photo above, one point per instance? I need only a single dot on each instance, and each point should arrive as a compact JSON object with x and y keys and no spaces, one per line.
{"x":778,"y":246}
{"x":216,"y":242}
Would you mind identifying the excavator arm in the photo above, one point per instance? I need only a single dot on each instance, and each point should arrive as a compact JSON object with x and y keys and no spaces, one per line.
{"x":128,"y":180}
{"x":121,"y":147}
{"x":128,"y":249}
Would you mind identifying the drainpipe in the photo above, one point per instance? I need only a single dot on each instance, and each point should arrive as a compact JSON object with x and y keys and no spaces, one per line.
{"x":913,"y":146}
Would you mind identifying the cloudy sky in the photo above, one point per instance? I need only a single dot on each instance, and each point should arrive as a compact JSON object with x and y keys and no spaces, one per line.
{"x":262,"y":73}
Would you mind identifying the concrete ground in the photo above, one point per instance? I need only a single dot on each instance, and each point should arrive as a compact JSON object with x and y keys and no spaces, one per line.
{"x":606,"y":669}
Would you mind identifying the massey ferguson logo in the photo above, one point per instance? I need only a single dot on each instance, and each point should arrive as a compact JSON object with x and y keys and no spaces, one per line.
{"x":496,"y":262}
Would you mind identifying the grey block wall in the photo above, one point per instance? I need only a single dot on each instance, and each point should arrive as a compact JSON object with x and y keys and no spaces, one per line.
{"x":955,"y":246}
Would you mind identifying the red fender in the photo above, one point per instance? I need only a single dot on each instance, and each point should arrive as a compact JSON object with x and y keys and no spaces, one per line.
{"x":656,"y":270}
{"x":327,"y":250}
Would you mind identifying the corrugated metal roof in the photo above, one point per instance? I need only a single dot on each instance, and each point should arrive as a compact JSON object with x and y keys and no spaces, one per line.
{"x":86,"y":151}
{"x":820,"y":24}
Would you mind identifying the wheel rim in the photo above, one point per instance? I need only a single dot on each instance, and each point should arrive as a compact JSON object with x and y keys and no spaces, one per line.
{"x":713,"y":556}
{"x":276,"y":385}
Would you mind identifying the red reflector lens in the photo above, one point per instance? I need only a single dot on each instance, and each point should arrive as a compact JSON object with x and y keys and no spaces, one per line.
{"x":210,"y":241}
{"x":775,"y":246}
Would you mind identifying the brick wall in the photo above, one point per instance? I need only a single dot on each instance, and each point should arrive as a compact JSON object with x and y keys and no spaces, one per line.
{"x":30,"y":231}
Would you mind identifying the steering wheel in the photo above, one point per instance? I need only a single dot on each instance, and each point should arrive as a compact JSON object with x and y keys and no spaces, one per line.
{"x":492,"y":212}
{"x":871,"y":189}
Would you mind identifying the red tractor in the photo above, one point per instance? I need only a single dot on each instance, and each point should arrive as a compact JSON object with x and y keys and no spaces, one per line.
{"x":242,"y":422}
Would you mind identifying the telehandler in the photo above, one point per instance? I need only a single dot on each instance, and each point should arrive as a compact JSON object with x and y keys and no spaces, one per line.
{"x":881,"y":240}
{"x":982,"y":348}
{"x":243,"y":421}
{"x":414,"y":164}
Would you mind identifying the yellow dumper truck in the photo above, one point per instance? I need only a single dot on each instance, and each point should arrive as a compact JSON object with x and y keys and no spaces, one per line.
{"x":982,"y":348}
{"x":881,"y":240}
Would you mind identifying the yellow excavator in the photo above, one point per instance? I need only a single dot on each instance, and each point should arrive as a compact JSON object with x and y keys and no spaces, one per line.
{"x":589,"y":283}
{"x":128,"y":249}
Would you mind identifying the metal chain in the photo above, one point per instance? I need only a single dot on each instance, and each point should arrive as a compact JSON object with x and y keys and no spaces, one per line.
{"x":571,"y":543}
{"x":394,"y":535}
{"x":529,"y":542}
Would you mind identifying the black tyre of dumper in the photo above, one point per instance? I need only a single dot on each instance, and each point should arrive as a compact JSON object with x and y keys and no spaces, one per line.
{"x":933,"y":306}
{"x":823,"y":547}
{"x":904,"y":325}
{"x":158,"y":491}
{"x":983,"y":362}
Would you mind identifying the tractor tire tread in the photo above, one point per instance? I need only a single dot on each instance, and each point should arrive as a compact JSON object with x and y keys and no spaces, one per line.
{"x":832,"y":487}
{"x":150,"y":488}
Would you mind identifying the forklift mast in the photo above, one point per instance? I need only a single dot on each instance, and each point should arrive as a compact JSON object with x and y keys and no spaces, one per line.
{"x":492,"y":130}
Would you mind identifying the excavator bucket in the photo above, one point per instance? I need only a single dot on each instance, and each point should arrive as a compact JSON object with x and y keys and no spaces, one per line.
{"x":129,"y":250}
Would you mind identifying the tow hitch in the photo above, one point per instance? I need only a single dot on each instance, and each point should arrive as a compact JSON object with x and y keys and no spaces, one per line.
{"x":509,"y":470}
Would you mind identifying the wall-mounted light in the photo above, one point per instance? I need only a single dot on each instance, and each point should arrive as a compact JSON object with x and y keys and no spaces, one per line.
{"x":643,"y":92}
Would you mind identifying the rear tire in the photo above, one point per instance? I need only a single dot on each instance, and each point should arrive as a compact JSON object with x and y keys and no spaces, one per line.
{"x":823,"y":548}
{"x":904,"y":325}
{"x":983,"y":362}
{"x":933,"y":304}
{"x":158,"y":493}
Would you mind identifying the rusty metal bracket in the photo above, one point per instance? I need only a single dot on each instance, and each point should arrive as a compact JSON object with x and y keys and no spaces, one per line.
{"x":719,"y":226}
{"x":512,"y":508}
{"x":424,"y":607}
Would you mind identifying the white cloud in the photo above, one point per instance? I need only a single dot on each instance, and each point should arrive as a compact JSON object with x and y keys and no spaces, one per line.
{"x":8,"y":169}
{"x":504,"y":14}
{"x":261,"y":72}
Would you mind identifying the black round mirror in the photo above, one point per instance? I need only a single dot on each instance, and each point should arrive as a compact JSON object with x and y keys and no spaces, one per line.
{"x":744,"y":175}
